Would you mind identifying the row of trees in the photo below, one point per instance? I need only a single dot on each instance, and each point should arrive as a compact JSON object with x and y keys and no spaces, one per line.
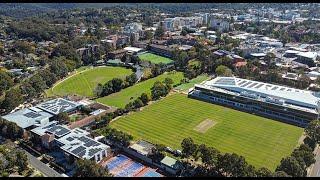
{"x":115,"y":85}
{"x":89,"y":168}
{"x":214,"y":163}
{"x":117,"y":136}
{"x":6,"y":81}
{"x":302,"y":157}
{"x":10,"y":129}
{"x":159,"y":89}
{"x":297,"y":163}
{"x":12,"y":160}
{"x":36,"y":84}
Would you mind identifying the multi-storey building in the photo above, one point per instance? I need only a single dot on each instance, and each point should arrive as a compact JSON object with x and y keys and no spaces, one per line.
{"x":290,"y":105}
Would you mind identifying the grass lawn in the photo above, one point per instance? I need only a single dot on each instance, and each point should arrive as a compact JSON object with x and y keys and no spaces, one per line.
{"x":120,"y":99}
{"x":194,"y":62}
{"x":155,"y":58}
{"x":192,"y":82}
{"x":77,"y":117}
{"x":84,"y":83}
{"x":263,"y":142}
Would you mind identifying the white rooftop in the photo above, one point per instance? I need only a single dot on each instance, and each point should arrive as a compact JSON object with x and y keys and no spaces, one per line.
{"x":73,"y":141}
{"x":27,"y":117}
{"x":132,"y":49}
{"x":58,"y":105}
{"x":301,"y":99}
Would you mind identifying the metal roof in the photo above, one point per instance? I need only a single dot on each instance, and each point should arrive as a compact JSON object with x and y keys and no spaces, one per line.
{"x":27,"y":117}
{"x":301,"y":99}
{"x":58,"y":105}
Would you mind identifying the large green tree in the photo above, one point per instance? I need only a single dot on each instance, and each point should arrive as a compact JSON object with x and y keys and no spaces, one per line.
{"x":89,"y":168}
{"x":188,"y":147}
{"x":223,"y":71}
{"x":5,"y":81}
{"x":12,"y":99}
{"x":292,"y":167}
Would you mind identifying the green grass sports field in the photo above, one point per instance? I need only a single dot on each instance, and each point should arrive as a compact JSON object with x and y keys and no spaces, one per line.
{"x":120,"y":99}
{"x":84,"y":82}
{"x":263,"y":142}
{"x":155,"y":58}
{"x":192,"y":82}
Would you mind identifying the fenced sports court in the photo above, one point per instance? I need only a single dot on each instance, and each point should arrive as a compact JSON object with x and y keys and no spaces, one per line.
{"x":123,"y":166}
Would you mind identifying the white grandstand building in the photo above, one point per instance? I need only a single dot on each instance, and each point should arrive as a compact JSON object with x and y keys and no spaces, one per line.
{"x":293,"y":106}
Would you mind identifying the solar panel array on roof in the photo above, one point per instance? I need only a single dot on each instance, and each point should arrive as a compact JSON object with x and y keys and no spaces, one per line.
{"x":274,"y":88}
{"x":84,"y":139}
{"x":70,"y":139}
{"x":259,"y":86}
{"x":246,"y":84}
{"x":58,"y":130}
{"x":57,"y":105}
{"x":225,"y":81}
{"x":242,"y":83}
{"x":93,"y":151}
{"x":78,"y":150}
{"x":282,"y":89}
{"x":252,"y":85}
{"x":32,"y":115}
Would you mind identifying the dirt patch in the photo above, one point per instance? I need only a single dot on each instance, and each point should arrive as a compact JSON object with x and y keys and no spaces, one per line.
{"x":204,"y":126}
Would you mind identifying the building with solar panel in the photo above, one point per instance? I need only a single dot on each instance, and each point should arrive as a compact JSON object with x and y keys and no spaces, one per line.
{"x":29,"y":118}
{"x":41,"y":114}
{"x":290,"y":105}
{"x":74,"y":143}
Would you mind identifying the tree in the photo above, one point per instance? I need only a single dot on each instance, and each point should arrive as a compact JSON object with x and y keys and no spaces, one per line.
{"x":63,"y":117}
{"x":22,"y":161}
{"x":157,"y":153}
{"x":58,"y":67}
{"x":305,"y":153}
{"x":138,"y":103}
{"x":184,"y":32}
{"x":233,"y":165}
{"x":12,"y":99}
{"x":159,"y":32}
{"x":117,"y":84}
{"x":292,"y":167}
{"x":98,"y":90}
{"x":313,"y":130}
{"x":168,"y":82}
{"x":6,"y":81}
{"x":280,"y":174}
{"x":180,"y":59}
{"x":129,"y":107}
{"x":309,"y":142}
{"x":209,"y":155}
{"x":222,"y":70}
{"x":131,"y":79}
{"x":263,"y":172}
{"x":89,"y":168}
{"x":158,"y":90}
{"x":188,"y":147}
{"x":145,"y":98}
{"x":37,"y":83}
{"x":28,"y":90}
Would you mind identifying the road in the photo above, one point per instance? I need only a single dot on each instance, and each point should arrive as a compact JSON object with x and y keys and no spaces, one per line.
{"x":315,"y":171}
{"x":43,"y":168}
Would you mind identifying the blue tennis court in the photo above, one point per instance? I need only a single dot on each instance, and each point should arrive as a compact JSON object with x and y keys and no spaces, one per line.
{"x":151,"y":173}
{"x":123,"y":166}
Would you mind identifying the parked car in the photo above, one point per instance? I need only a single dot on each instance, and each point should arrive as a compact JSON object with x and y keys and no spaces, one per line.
{"x":168,"y":149}
{"x":177,"y":153}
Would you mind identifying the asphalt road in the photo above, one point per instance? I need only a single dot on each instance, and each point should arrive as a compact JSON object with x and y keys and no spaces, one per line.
{"x":43,"y":168}
{"x":315,"y":171}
